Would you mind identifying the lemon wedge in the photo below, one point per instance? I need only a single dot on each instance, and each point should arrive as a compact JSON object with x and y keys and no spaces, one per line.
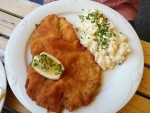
{"x":47,"y":66}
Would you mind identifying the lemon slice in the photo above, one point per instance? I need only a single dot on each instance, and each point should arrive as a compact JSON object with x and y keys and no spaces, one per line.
{"x":47,"y":66}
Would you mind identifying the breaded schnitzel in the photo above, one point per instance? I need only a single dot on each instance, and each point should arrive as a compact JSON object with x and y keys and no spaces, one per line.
{"x":81,"y":76}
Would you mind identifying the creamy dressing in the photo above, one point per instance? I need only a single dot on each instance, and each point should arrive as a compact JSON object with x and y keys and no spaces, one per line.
{"x":98,"y":34}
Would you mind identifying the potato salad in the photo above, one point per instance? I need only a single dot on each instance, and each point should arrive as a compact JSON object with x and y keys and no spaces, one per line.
{"x":98,"y":34}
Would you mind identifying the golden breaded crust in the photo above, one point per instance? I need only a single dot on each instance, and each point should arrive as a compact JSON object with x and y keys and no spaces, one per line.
{"x":81,"y":77}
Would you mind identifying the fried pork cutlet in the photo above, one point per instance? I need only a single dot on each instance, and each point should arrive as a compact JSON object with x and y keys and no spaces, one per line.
{"x":81,"y":76}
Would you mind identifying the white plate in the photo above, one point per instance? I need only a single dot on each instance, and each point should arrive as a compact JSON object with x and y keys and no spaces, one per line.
{"x":119,"y":84}
{"x":3,"y":85}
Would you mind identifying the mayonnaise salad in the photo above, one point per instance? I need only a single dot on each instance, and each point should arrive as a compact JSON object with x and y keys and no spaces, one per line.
{"x":98,"y":34}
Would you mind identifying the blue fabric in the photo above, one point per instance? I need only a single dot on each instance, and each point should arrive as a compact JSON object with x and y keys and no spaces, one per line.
{"x":38,"y":1}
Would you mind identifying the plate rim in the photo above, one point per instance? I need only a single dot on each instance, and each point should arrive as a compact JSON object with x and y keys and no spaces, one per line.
{"x":8,"y":73}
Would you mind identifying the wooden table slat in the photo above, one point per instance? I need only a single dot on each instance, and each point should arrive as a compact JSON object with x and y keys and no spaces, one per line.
{"x":18,"y":8}
{"x":146,"y":50}
{"x":5,"y":30}
{"x":144,"y":87}
{"x":137,"y":104}
{"x":3,"y":43}
{"x":7,"y":23}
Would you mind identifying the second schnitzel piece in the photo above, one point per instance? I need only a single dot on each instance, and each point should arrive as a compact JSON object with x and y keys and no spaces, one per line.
{"x":81,"y":77}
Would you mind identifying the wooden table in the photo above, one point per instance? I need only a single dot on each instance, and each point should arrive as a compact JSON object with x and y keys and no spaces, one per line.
{"x":13,"y":11}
